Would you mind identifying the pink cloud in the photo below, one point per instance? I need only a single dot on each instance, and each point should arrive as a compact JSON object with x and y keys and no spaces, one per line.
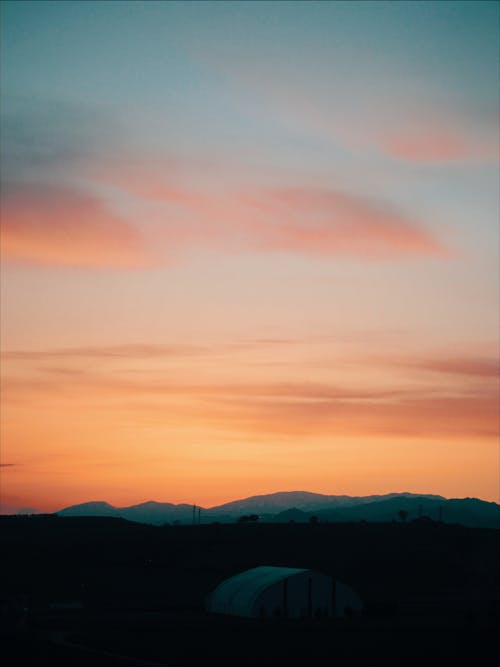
{"x":309,"y":221}
{"x":431,"y":146}
{"x":424,"y":416}
{"x":287,"y":408}
{"x":60,"y":226}
{"x":437,"y":141}
{"x":473,"y":367}
{"x":434,"y":134}
{"x":55,"y":225}
{"x":462,"y":369}
{"x":408,"y":123}
{"x":333,"y":223}
{"x":152,"y":179}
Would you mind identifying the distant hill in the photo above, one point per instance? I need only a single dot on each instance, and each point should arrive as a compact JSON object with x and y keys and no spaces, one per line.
{"x":93,"y":508}
{"x":465,"y":511}
{"x":8,"y":509}
{"x":300,"y":506}
{"x":149,"y":512}
{"x":303,"y":500}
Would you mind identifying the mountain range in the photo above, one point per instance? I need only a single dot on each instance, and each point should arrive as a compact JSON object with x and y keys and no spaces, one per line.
{"x":302,"y":506}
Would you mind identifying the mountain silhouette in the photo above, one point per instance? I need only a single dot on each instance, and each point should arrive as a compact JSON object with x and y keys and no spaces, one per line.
{"x":92,"y":508}
{"x":466,"y":511}
{"x":8,"y":509}
{"x":304,"y":500}
{"x":149,"y":512}
{"x":300,"y":506}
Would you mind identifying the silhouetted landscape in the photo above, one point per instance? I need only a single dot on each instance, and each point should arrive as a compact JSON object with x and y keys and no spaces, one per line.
{"x":104,"y":590}
{"x":302,"y":506}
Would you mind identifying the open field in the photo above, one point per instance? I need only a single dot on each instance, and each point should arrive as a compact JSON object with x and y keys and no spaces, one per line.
{"x":431,"y":593}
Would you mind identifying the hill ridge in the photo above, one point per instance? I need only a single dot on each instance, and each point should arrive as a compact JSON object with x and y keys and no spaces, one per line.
{"x":301,"y":506}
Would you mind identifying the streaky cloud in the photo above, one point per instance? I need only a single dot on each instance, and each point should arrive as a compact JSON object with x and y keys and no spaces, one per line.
{"x":123,"y":351}
{"x":437,"y":142}
{"x":292,"y":409}
{"x":467,"y":366}
{"x":329,"y":222}
{"x":49,"y":225}
{"x":313,"y":222}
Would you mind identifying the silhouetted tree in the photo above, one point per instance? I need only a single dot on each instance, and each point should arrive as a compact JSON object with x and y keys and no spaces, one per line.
{"x":403,"y":515}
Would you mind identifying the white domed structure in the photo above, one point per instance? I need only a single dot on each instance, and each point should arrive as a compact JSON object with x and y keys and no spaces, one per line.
{"x":283,"y":592}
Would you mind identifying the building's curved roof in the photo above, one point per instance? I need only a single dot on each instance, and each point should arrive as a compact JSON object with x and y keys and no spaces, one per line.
{"x":240,"y":592}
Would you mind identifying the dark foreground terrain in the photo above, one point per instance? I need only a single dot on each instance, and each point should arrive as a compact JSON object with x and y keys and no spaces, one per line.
{"x":104,"y":591}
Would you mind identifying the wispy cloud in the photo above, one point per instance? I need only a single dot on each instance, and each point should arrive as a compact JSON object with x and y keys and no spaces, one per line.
{"x":315,"y":222}
{"x":426,"y":146}
{"x":473,"y":367}
{"x":439,"y":141}
{"x":334,"y":223}
{"x":56,"y":225}
{"x":405,"y":120}
{"x":50,"y":225}
{"x":124,"y":351}
{"x":168,"y":212}
{"x":280,"y":408}
{"x":424,"y":415}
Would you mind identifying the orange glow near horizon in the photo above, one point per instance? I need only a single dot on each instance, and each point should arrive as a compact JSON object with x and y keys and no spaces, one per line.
{"x":129,"y":431}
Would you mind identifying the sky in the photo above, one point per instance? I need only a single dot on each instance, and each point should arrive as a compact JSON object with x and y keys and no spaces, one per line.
{"x":248,"y":247}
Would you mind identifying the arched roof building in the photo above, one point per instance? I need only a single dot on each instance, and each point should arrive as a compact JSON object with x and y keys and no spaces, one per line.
{"x":283,"y":591}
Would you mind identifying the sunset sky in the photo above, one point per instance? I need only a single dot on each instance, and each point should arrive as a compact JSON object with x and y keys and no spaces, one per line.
{"x":248,"y":247}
